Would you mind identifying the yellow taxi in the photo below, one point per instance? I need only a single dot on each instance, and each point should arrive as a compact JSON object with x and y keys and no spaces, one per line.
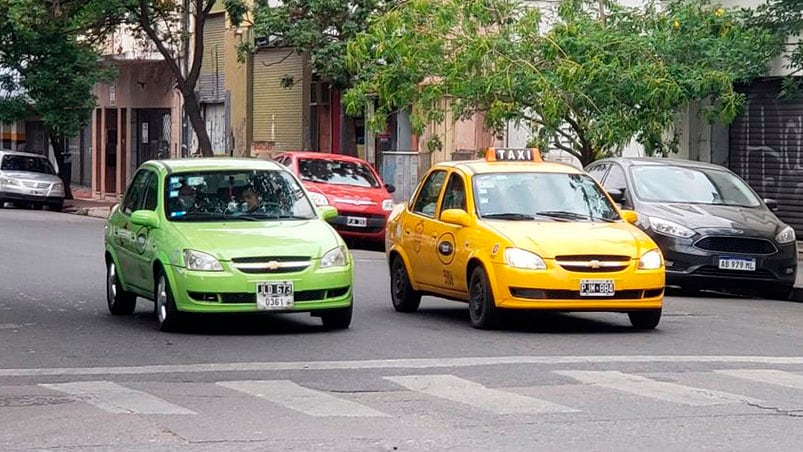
{"x":511,"y":231}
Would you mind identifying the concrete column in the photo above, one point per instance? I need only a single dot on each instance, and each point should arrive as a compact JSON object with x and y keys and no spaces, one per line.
{"x":119,"y":162}
{"x":102,"y":150}
{"x":95,"y":152}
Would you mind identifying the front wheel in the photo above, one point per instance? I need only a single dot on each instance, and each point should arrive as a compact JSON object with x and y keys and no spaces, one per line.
{"x":779,"y":292}
{"x":645,"y":320}
{"x":167,"y":313}
{"x":120,"y":302}
{"x":404,"y":298}
{"x":481,"y":305}
{"x":337,"y":320}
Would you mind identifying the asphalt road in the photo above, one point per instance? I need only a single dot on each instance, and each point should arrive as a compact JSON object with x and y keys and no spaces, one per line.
{"x":719,"y":373}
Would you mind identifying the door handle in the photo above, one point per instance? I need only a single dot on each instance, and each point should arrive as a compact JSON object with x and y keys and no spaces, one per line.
{"x":406,"y":232}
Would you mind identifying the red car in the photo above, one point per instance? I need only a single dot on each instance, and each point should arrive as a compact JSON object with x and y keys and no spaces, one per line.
{"x":350,"y":184}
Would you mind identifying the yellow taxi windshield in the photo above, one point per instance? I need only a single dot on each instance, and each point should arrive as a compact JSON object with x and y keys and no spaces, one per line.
{"x":529,"y":196}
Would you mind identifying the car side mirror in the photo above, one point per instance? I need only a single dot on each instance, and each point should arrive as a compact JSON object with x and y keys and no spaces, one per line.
{"x":146,"y":218}
{"x":771,"y":204}
{"x":630,"y":216}
{"x":456,"y":216}
{"x":390,"y":188}
{"x":618,"y":195}
{"x":327,"y":213}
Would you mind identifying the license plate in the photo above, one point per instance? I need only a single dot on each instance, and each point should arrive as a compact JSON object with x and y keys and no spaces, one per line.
{"x":747,"y":264}
{"x":359,"y":222}
{"x":596,"y":288}
{"x":275,"y":295}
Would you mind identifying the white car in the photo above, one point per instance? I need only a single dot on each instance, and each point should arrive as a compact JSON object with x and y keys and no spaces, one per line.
{"x":29,"y":179}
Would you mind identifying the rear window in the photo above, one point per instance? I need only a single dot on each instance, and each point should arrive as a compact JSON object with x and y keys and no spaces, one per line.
{"x":26,"y":163}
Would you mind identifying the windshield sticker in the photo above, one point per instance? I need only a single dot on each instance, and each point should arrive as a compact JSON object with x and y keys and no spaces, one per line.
{"x":174,"y":194}
{"x":485,"y":183}
{"x":175,"y":185}
{"x":193,"y":181}
{"x":180,"y":213}
{"x":175,"y":180}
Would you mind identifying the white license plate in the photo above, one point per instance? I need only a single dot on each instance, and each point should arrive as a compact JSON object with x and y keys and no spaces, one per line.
{"x":596,"y":288}
{"x":747,"y":264}
{"x":275,"y":295}
{"x":359,"y":222}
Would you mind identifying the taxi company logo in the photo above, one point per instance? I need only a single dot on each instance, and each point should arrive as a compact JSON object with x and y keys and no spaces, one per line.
{"x":355,"y":202}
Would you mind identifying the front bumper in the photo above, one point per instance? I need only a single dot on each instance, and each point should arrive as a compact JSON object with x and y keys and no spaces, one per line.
{"x":14,"y":193}
{"x":557,"y":289}
{"x":234,"y":291}
{"x":687,"y":265}
{"x":373,"y":230}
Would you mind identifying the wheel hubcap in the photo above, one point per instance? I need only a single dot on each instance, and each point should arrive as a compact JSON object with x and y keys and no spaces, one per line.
{"x":398,"y":281}
{"x":161,"y":300}
{"x":477,"y":298}
{"x":111,"y":283}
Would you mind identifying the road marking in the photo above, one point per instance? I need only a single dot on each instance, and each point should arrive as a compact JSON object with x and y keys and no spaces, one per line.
{"x":456,"y":389}
{"x":645,"y":387}
{"x":299,"y":398}
{"x":412,"y":363}
{"x":117,"y":399}
{"x":771,"y":376}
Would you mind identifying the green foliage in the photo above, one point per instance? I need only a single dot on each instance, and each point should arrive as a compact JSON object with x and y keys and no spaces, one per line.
{"x":586,"y":85}
{"x":785,"y":17}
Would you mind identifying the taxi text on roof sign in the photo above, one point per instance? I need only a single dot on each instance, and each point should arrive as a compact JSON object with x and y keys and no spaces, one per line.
{"x":513,"y":155}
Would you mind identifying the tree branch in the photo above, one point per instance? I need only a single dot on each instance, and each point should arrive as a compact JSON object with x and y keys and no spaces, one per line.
{"x":198,"y":47}
{"x":280,"y":61}
{"x":147,"y":26}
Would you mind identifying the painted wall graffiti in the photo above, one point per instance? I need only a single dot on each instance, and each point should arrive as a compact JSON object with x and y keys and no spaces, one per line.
{"x":766,"y":149}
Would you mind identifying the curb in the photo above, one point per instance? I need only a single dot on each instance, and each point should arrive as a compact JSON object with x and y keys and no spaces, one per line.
{"x":97,"y":212}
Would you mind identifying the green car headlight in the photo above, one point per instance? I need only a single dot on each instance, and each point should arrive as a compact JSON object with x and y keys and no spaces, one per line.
{"x":335,"y":258}
{"x":196,"y":260}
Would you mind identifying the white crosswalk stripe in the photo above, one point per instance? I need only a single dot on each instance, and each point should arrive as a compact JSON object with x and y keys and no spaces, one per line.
{"x":771,"y":376}
{"x":299,"y":398}
{"x":117,"y":399}
{"x":645,"y":387}
{"x":474,"y":394}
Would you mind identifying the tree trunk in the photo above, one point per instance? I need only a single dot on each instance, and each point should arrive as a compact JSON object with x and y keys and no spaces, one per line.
{"x":60,"y":150}
{"x":193,"y":109}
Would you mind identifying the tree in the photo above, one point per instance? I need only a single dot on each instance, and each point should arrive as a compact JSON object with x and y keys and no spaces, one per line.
{"x":786,"y":17}
{"x":593,"y":82}
{"x":163,"y":22}
{"x":51,"y":72}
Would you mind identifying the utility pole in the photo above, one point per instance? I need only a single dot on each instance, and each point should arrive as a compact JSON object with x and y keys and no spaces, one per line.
{"x":185,"y":43}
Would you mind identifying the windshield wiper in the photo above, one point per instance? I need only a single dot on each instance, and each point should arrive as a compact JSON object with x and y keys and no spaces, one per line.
{"x":509,"y":216}
{"x":566,"y":215}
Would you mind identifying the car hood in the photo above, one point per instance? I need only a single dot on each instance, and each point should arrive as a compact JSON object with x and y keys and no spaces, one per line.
{"x":30,"y":175}
{"x":709,"y":218}
{"x":348,"y":195}
{"x":226,"y":240}
{"x":554,"y":238}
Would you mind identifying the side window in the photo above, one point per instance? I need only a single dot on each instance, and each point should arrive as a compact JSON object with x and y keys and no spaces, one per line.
{"x":136,"y":192}
{"x":427,"y":199}
{"x":455,"y":195}
{"x":152,"y":193}
{"x":598,"y":171}
{"x":615,"y":178}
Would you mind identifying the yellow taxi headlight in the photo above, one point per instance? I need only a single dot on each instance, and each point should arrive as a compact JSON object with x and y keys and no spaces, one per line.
{"x":519,"y":258}
{"x":651,"y":260}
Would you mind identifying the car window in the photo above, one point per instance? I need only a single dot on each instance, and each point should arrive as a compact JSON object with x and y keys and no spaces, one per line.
{"x":520,"y":196}
{"x":236,"y":195}
{"x":26,"y":163}
{"x":337,"y":172}
{"x":667,"y":183}
{"x":427,"y":200}
{"x":454,"y":197}
{"x":136,"y":192}
{"x":598,"y":171}
{"x":615,"y":178}
{"x":151,"y":193}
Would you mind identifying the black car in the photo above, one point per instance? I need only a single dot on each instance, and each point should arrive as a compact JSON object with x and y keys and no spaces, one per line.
{"x":715,"y":232}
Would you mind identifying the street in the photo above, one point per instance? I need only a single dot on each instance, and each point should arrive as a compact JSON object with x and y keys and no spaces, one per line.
{"x":719,"y":372}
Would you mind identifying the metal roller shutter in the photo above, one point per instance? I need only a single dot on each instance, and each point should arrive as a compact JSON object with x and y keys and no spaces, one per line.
{"x":279,"y":112}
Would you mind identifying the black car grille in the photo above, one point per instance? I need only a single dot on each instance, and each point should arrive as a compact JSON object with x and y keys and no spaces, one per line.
{"x":740,"y":245}
{"x":249,"y":297}
{"x":710,"y":270}
{"x":547,"y":294}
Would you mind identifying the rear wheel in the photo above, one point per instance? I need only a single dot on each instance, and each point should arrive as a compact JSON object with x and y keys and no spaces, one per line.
{"x":482,"y":308}
{"x":167,"y":314}
{"x":120,"y":302}
{"x":404,"y":298}
{"x":337,"y":320}
{"x":645,"y":320}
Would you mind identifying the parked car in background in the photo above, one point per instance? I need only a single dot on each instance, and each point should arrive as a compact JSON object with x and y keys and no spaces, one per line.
{"x":225,"y":236}
{"x":29,"y":179}
{"x":714,"y":230}
{"x":350,"y":184}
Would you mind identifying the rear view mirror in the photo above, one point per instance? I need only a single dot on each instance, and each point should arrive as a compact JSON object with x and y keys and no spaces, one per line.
{"x":771,"y":204}
{"x":630,"y":216}
{"x":390,"y":188}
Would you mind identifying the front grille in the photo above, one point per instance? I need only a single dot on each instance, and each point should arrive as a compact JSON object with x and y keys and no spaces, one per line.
{"x":548,"y":294}
{"x":261,"y":259}
{"x":31,"y":184}
{"x":248,"y":297}
{"x":593,"y":263}
{"x":739,"y":245}
{"x":271,"y":264}
{"x":710,"y":270}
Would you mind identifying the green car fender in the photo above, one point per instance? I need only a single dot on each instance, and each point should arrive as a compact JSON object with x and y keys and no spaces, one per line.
{"x":112,"y":255}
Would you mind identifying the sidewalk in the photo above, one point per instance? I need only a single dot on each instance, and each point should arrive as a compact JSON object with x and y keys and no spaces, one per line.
{"x":84,"y":204}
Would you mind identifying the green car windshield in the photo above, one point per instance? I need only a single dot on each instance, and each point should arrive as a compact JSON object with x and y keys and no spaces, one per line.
{"x":244,"y":195}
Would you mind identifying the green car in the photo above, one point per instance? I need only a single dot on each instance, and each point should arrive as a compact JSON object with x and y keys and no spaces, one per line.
{"x":225,"y":235}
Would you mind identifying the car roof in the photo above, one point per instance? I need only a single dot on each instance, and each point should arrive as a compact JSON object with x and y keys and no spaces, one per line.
{"x":22,"y":154}
{"x":215,"y":163}
{"x":661,"y":161}
{"x":481,"y":166}
{"x":324,"y":155}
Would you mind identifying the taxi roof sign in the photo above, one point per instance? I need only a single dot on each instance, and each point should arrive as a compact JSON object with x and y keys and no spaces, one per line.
{"x":513,"y":155}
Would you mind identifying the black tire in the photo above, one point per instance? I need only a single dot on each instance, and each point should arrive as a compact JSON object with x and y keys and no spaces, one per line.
{"x":37,"y":205}
{"x":167,"y":314}
{"x":481,"y":305}
{"x":120,"y":301}
{"x":337,"y":319}
{"x":404,"y":298}
{"x":779,"y":292}
{"x":645,"y":320}
{"x":57,"y":206}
